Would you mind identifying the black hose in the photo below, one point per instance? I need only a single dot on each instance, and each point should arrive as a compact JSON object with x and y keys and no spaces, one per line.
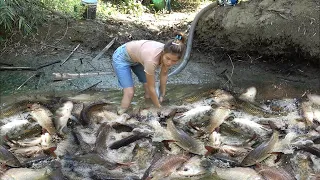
{"x":186,"y":56}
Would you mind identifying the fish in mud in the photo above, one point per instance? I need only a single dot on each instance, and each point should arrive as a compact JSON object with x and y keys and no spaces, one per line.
{"x":7,"y":158}
{"x":28,"y":173}
{"x":128,"y":140}
{"x":43,"y":116}
{"x":86,"y":113}
{"x":184,"y":140}
{"x":254,"y":109}
{"x":43,"y":140}
{"x":26,"y":131}
{"x":32,"y":150}
{"x":246,"y":126}
{"x":193,"y":167}
{"x":119,"y":127}
{"x":166,"y":165}
{"x":157,"y":154}
{"x":111,"y":176}
{"x":311,"y":149}
{"x":307,"y":112}
{"x":249,"y":95}
{"x":195,"y":114}
{"x":87,"y":97}
{"x":314,"y":98}
{"x":198,"y":96}
{"x":247,"y":106}
{"x":34,"y":160}
{"x":102,"y":135}
{"x":217,"y":117}
{"x":62,"y":115}
{"x":78,"y":139}
{"x":261,"y":152}
{"x":302,"y":166}
{"x":237,"y":173}
{"x":273,"y":173}
{"x":142,"y":154}
{"x":233,"y":151}
{"x":221,"y":96}
{"x":14,"y":109}
{"x":94,"y":158}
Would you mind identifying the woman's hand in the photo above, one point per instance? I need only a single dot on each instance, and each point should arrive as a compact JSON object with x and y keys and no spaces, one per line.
{"x":161,"y":99}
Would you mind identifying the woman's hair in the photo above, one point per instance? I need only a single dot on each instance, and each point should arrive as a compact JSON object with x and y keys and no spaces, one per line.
{"x":177,"y":45}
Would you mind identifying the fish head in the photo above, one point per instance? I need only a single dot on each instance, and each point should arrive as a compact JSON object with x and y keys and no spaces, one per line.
{"x":248,"y":161}
{"x":220,"y":95}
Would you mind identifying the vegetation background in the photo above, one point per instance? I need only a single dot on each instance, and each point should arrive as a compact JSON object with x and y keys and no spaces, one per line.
{"x":25,"y":16}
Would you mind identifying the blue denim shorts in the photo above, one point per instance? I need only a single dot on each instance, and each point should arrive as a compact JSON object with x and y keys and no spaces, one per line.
{"x":122,"y":65}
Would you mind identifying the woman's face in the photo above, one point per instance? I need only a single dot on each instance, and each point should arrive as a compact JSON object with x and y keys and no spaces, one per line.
{"x":169,"y":59}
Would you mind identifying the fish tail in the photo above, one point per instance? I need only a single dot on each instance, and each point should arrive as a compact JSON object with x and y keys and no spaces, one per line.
{"x":120,"y":165}
{"x":50,"y":151}
{"x":210,"y":150}
{"x":166,"y":143}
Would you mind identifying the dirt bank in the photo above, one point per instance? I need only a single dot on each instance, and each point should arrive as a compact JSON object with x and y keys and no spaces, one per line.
{"x":276,"y":29}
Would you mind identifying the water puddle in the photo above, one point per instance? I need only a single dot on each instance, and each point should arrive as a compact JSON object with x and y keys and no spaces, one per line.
{"x":76,"y":135}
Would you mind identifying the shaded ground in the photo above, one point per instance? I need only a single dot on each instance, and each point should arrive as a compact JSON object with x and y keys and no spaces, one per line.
{"x":210,"y":67}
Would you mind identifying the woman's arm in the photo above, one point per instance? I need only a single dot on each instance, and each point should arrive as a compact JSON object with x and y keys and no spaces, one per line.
{"x":163,"y":80}
{"x":151,"y":86}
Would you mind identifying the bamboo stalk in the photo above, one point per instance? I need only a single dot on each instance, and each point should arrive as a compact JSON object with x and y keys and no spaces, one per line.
{"x":90,"y":87}
{"x":27,"y":80}
{"x":65,"y":49}
{"x":6,"y":64}
{"x":48,"y":64}
{"x":104,"y":49}
{"x":70,"y":55}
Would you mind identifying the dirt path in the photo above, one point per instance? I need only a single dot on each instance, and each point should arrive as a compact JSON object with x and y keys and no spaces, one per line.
{"x":215,"y":68}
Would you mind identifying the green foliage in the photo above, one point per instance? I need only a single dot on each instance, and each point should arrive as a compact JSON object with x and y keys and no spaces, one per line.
{"x":26,"y":15}
{"x":131,"y":7}
{"x":23,"y":15}
{"x":186,"y":5}
{"x":106,"y":9}
{"x":110,"y":7}
{"x":72,"y":8}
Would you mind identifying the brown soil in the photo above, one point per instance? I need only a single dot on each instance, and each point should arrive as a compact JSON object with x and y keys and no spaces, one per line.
{"x":207,"y":65}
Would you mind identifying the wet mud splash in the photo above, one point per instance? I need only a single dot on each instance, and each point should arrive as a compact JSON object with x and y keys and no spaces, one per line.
{"x":202,"y":132}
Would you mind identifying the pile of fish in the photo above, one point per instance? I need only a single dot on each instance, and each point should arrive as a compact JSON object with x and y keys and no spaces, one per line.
{"x":217,"y":134}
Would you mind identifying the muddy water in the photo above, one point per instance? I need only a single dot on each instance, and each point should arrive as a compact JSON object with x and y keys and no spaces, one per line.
{"x":79,"y":161}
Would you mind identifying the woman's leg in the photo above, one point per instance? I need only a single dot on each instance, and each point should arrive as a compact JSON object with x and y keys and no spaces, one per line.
{"x":122,"y":69}
{"x":139,"y":72}
{"x":127,"y":97}
{"x":146,"y":91}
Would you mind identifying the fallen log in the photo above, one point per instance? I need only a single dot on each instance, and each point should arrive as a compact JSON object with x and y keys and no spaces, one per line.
{"x":12,"y":68}
{"x":67,"y":76}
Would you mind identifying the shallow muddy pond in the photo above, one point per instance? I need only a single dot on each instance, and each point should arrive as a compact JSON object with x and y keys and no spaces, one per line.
{"x":201,"y":132}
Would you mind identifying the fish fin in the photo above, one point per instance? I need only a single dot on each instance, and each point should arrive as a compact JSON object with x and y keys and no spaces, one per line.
{"x":172,"y":113}
{"x":166,"y":143}
{"x":279,"y":156}
{"x":255,"y":136}
{"x":6,"y":138}
{"x":44,"y":131}
{"x":273,"y":126}
{"x":120,"y":165}
{"x":50,"y":151}
{"x":193,"y":126}
{"x":210,"y":150}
